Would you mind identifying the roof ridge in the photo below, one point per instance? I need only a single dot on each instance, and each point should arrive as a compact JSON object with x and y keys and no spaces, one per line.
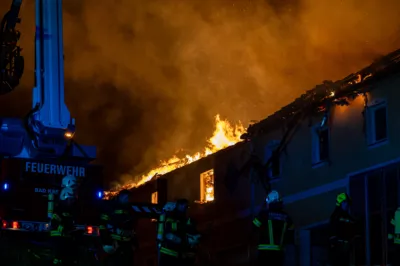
{"x":329,"y":91}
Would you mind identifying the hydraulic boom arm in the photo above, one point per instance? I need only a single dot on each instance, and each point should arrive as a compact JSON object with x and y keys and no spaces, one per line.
{"x":48,"y":129}
{"x":51,"y":116}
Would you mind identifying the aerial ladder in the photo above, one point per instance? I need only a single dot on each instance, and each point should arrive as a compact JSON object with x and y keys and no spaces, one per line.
{"x":48,"y":129}
{"x":45,"y":137}
{"x":37,"y":152}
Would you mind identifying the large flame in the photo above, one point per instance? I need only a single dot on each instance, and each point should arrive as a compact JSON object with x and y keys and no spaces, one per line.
{"x":224,"y":135}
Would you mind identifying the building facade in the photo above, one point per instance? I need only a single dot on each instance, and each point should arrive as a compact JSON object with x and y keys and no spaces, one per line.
{"x":347,"y":141}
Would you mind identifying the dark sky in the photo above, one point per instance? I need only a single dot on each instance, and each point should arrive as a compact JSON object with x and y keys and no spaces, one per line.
{"x":145,"y":78}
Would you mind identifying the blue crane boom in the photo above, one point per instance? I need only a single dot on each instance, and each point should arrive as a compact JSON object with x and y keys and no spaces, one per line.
{"x":48,"y":129}
{"x":48,"y":94}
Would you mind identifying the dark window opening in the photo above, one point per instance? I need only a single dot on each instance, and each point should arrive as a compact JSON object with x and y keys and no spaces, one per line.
{"x":323,"y":145}
{"x":275,"y":167}
{"x":380,"y":124}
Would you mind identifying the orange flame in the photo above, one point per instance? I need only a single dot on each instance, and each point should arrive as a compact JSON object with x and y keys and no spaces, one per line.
{"x":224,"y":135}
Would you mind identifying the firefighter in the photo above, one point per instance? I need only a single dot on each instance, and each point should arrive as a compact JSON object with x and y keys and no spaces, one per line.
{"x":117,"y":233}
{"x":272,"y":224}
{"x":193,"y":240}
{"x":176,"y":237}
{"x":395,"y":237}
{"x":343,"y":231}
{"x":62,"y":225}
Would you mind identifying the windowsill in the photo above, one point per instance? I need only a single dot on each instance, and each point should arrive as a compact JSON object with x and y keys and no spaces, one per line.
{"x":319,"y":164}
{"x":203,"y":202}
{"x":378,"y":144}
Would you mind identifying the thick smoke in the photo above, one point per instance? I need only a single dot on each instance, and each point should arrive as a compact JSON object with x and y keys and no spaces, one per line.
{"x":144,"y":78}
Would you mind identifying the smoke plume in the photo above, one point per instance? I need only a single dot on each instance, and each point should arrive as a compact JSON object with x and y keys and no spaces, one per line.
{"x":144,"y":78}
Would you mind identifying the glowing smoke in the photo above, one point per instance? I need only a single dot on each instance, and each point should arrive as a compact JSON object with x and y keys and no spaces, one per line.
{"x":174,"y":64}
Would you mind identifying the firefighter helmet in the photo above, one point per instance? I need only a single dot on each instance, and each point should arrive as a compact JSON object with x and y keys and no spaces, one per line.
{"x":109,"y":249}
{"x":69,"y":181}
{"x":342,"y":197}
{"x":273,"y":196}
{"x":67,"y":193}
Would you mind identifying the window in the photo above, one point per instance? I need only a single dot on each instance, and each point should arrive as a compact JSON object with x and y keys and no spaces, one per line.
{"x":274,"y":170}
{"x":154,"y":197}
{"x":207,"y":186}
{"x":320,"y":144}
{"x":377,"y":127}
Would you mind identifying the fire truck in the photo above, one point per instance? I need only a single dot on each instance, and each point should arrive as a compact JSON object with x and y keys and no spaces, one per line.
{"x":38,"y":151}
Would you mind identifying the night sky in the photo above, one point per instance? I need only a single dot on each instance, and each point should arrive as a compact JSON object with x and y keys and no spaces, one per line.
{"x":146,"y":78}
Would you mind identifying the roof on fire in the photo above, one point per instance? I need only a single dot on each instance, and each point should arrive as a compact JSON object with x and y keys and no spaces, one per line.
{"x":330,"y":92}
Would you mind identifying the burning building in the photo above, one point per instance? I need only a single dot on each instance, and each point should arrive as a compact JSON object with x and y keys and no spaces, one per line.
{"x":338,"y":137}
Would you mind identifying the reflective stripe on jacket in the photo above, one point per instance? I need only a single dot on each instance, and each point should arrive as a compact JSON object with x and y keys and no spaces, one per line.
{"x":116,"y":225}
{"x":342,"y":226}
{"x":61,"y":225}
{"x":273,"y":226}
{"x":169,"y":226}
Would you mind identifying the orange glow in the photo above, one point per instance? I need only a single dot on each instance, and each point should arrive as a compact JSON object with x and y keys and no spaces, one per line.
{"x":340,"y":109}
{"x":207,"y":186}
{"x":358,"y":102}
{"x":4,"y":224}
{"x":89,"y":230}
{"x":14,"y":225}
{"x":224,"y":135}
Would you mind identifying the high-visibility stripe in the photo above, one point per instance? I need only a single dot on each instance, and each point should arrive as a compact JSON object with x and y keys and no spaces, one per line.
{"x":271,"y":232}
{"x":120,"y":212}
{"x":162,"y":217}
{"x":160,"y":228}
{"x":55,"y":233}
{"x":269,"y":247}
{"x":60,"y":228}
{"x":105,"y":217}
{"x":120,"y":238}
{"x":257,"y":222}
{"x":169,"y":252}
{"x":56,"y":217}
{"x":50,"y":205}
{"x":174,"y":226}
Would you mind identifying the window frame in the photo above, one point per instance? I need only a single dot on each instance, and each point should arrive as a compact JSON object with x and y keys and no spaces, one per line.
{"x":371,"y":126}
{"x":202,"y":187}
{"x":316,"y":160}
{"x":272,"y":145}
